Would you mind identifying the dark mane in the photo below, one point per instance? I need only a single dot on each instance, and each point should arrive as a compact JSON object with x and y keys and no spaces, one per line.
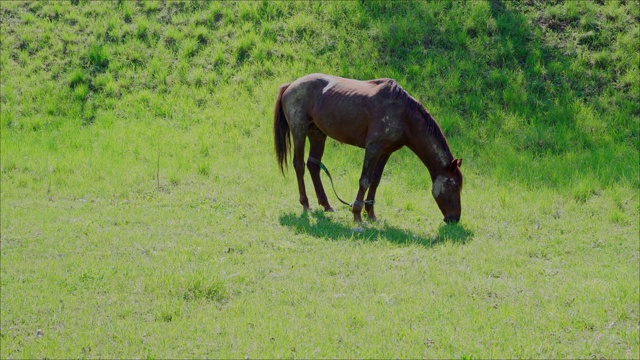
{"x":416,"y":107}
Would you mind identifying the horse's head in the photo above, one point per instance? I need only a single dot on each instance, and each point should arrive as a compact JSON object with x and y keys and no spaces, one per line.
{"x":446,"y":190}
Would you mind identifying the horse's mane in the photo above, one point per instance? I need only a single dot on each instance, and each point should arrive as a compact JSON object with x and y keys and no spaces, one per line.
{"x":415,"y":107}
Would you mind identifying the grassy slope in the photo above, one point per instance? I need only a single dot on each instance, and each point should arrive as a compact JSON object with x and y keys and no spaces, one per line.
{"x":554,"y":85}
{"x":137,"y":174}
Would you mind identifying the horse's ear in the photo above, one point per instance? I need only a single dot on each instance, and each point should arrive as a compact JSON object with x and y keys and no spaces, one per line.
{"x":455,"y":163}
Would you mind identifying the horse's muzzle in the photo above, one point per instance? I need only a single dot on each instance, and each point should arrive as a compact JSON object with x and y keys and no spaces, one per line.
{"x":452,"y":219}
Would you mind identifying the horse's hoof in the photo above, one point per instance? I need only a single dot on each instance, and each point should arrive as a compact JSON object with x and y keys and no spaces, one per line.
{"x":329,"y":209}
{"x":373,"y":219}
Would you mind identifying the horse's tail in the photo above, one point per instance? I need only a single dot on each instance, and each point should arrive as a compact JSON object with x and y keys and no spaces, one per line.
{"x":281,"y":133}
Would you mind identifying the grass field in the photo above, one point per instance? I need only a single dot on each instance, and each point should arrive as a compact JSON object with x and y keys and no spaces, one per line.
{"x":143,"y":213}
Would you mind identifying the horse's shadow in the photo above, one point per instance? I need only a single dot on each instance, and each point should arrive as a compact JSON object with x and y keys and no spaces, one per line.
{"x":324,"y":227}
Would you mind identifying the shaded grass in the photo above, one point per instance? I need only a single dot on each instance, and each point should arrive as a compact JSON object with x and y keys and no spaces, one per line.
{"x":324,"y":227}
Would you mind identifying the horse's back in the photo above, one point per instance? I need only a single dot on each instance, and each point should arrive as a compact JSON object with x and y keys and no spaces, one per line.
{"x":329,"y":84}
{"x":344,"y":109}
{"x":357,"y":100}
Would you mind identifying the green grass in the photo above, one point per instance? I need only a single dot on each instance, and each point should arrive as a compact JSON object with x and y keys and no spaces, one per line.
{"x":143,"y":213}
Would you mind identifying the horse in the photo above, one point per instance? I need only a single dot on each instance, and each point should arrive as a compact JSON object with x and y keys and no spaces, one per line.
{"x":376,"y":115}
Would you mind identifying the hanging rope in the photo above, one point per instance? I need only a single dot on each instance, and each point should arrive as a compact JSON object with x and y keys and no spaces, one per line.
{"x":324,"y":168}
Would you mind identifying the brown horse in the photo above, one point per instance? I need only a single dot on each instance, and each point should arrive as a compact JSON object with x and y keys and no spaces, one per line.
{"x":377,"y":115}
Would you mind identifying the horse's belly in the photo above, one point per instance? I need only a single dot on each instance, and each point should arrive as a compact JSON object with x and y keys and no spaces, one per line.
{"x":345,"y":130}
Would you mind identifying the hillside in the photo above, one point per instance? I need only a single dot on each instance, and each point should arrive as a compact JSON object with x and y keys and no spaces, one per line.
{"x":517,"y":87}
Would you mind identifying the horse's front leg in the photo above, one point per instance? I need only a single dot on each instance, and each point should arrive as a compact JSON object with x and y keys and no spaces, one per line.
{"x":375,"y":181}
{"x":372,"y":154}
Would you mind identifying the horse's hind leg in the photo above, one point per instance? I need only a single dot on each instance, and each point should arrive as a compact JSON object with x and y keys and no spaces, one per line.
{"x":299,"y":133}
{"x":317,"y":140}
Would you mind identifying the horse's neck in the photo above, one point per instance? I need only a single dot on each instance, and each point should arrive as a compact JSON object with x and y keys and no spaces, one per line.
{"x":432,"y":149}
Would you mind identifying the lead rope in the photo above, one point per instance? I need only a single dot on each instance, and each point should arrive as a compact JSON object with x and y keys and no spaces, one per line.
{"x":324,"y":168}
